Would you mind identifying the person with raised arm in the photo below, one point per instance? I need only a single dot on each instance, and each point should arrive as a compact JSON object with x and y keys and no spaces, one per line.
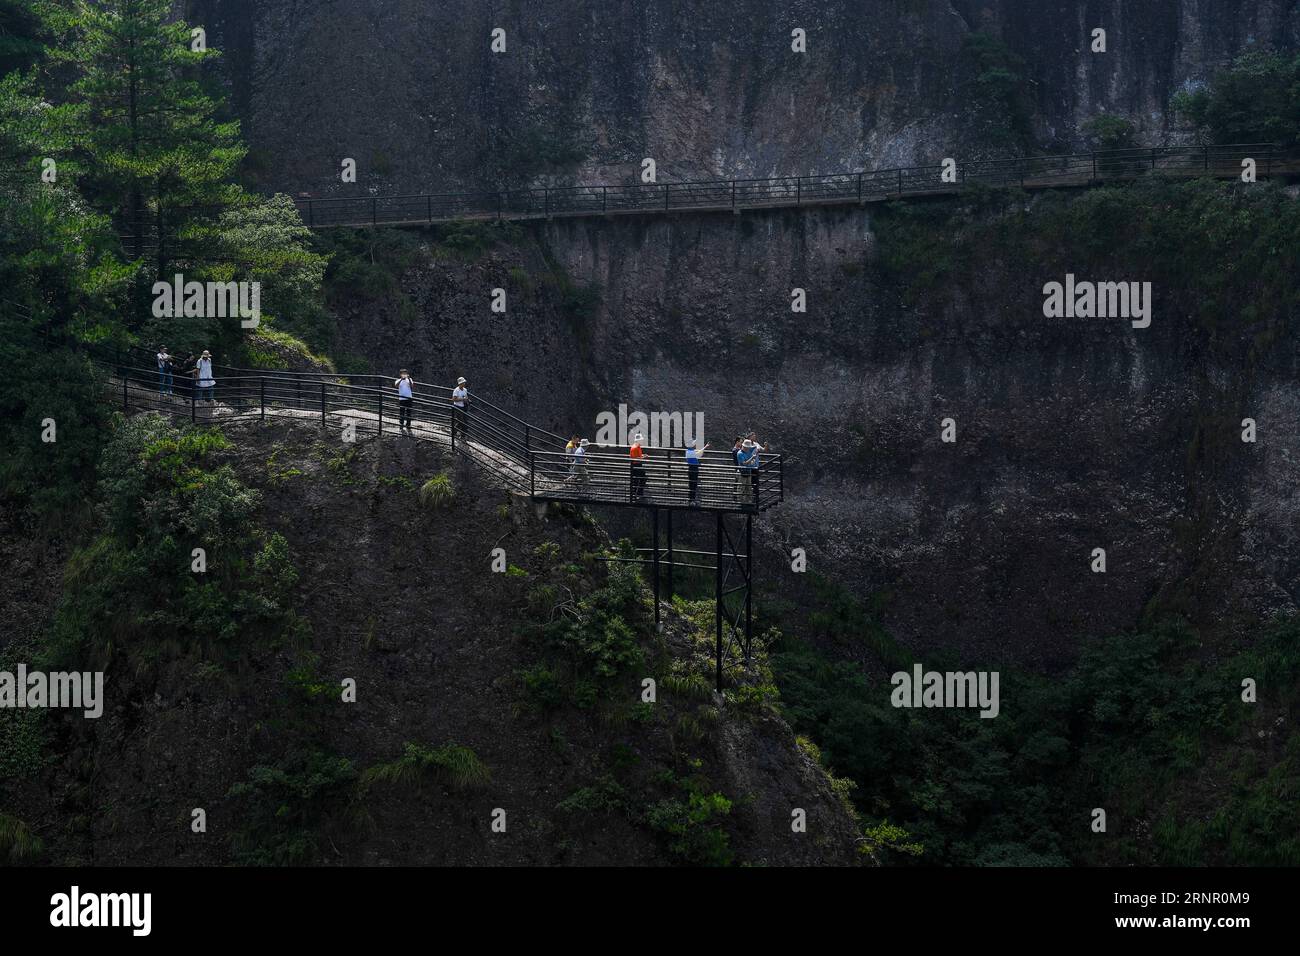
{"x":693,"y":469}
{"x":404,"y":398}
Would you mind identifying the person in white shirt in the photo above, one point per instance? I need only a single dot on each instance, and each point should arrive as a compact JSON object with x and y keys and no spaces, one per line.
{"x":580,"y":463}
{"x":404,"y":396}
{"x":460,"y":408}
{"x":206,"y":381}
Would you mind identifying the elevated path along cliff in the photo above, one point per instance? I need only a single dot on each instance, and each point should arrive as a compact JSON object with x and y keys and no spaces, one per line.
{"x":1077,"y":170}
{"x":523,"y":457}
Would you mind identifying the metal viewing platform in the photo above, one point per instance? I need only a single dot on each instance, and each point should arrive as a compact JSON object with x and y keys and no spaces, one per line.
{"x":526,"y":459}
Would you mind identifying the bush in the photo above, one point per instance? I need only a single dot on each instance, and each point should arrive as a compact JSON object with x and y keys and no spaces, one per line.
{"x":287,"y":804}
{"x":693,"y":826}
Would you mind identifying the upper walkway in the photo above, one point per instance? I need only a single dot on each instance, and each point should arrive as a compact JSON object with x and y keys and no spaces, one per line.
{"x":525,"y":458}
{"x":1032,"y":172}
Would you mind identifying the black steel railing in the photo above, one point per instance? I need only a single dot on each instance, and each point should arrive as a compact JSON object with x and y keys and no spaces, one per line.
{"x":661,"y":478}
{"x":529,"y":460}
{"x":1030,"y":172}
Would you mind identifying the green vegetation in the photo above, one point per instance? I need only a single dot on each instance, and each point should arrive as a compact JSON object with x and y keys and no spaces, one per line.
{"x":287,"y":809}
{"x":18,"y":845}
{"x":451,"y":764}
{"x":1256,"y":100}
{"x":525,"y":151}
{"x":366,"y":268}
{"x":438,"y":493}
{"x":1142,"y":727}
{"x":692,"y":823}
{"x":998,"y":92}
{"x":1190,"y":237}
{"x":132,"y":592}
{"x":1109,"y":132}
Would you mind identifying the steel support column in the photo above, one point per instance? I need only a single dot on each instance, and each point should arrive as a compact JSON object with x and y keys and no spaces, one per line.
{"x":670,"y":554}
{"x":656,"y":564}
{"x":717,"y":604}
{"x":749,"y":584}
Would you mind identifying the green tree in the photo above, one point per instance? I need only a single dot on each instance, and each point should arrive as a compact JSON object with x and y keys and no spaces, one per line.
{"x":59,"y":282}
{"x":157,"y":156}
{"x":1257,"y":100}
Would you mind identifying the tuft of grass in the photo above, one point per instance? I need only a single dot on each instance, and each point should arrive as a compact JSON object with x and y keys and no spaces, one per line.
{"x":438,"y":492}
{"x":18,"y":844}
{"x":458,"y":767}
{"x":691,"y":686}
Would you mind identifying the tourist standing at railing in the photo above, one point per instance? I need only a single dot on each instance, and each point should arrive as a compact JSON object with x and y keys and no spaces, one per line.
{"x":580,"y":463}
{"x":570,"y":450}
{"x":404,"y":396}
{"x":735,"y":460}
{"x":207,"y":382}
{"x":637,"y":456}
{"x":460,"y":407}
{"x":693,"y":469}
{"x":186,"y":374}
{"x":749,"y":461}
{"x":164,"y":371}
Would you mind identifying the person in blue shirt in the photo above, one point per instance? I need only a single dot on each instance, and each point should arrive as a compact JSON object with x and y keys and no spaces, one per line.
{"x":693,"y":469}
{"x":748,"y":461}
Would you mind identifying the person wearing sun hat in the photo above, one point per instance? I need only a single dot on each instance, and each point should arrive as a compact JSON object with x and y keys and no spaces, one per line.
{"x":637,"y":456}
{"x":748,"y":461}
{"x":206,"y":381}
{"x":460,"y":400}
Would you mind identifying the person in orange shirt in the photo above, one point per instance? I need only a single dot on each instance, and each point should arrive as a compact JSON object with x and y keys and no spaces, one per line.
{"x":638,"y":467}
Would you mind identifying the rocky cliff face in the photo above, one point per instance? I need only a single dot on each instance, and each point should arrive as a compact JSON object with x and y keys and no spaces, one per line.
{"x":579,"y":785}
{"x":412,"y":91}
{"x":1071,"y":434}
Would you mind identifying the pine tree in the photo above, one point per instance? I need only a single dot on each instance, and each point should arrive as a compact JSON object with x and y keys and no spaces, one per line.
{"x":157,"y":155}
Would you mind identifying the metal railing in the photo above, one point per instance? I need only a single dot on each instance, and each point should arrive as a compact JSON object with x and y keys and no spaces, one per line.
{"x":529,"y":460}
{"x":1030,"y":172}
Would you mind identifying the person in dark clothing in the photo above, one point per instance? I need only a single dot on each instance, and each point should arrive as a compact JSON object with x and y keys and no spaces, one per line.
{"x":185,"y":375}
